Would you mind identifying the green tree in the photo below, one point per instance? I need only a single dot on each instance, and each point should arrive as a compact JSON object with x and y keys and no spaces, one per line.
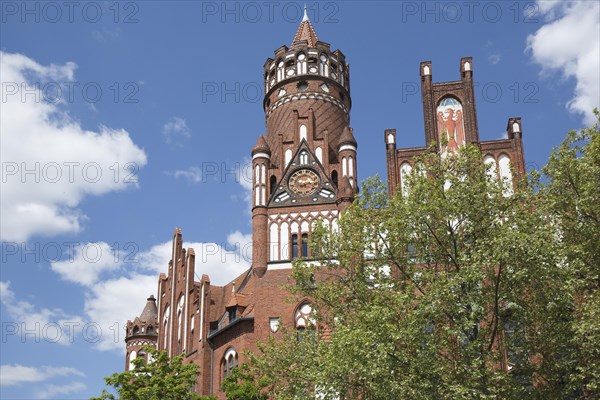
{"x":572,"y":194}
{"x":240,"y":384}
{"x":428,"y":294}
{"x":163,"y":378}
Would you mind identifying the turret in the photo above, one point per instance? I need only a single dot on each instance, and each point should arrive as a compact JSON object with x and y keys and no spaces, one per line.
{"x":141,"y":332}
{"x":308,"y":150}
{"x":261,"y":155}
{"x":347,"y":155}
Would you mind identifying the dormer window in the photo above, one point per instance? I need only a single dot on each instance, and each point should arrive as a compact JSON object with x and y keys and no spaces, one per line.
{"x":232,"y":314}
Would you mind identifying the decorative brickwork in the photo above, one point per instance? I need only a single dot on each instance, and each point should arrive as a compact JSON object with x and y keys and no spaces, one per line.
{"x":304,"y":170}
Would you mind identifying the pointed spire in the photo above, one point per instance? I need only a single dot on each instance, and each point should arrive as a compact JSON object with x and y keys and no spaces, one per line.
{"x":305,"y":32}
{"x":150,"y":313}
{"x":347,"y":137}
{"x":261,"y":146}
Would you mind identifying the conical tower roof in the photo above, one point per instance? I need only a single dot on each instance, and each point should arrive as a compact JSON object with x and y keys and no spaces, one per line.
{"x":150,"y":312}
{"x":261,"y":146}
{"x":305,"y":32}
{"x":347,"y":137}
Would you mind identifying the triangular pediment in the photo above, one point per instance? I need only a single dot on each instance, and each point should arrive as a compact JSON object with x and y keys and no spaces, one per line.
{"x":304,"y":181}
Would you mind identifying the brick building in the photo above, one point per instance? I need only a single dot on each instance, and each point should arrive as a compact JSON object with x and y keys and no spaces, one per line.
{"x":304,"y":169}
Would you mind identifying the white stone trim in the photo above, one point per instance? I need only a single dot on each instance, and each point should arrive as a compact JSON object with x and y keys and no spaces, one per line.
{"x":261,"y":155}
{"x":347,"y":147}
{"x":278,"y":266}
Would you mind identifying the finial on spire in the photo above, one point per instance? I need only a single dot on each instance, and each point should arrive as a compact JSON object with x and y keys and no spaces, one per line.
{"x":305,"y":18}
{"x":305,"y":32}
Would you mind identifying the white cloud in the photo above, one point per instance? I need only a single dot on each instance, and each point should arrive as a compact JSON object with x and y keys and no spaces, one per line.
{"x":569,"y":43}
{"x":111,"y":301}
{"x":87,"y":262}
{"x":67,"y":162}
{"x":176,"y":128}
{"x":192,"y":174}
{"x":15,"y":374}
{"x":47,"y":325}
{"x":494,"y":58}
{"x":53,"y":391}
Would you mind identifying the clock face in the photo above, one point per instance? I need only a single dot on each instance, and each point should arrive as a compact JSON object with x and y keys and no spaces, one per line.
{"x":303,"y":182}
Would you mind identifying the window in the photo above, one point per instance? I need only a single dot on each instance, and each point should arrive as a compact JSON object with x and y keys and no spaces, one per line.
{"x":167,"y":315}
{"x":334,"y":178}
{"x":136,"y":330}
{"x":150,"y":330}
{"x":230,"y":361}
{"x":294,"y":246}
{"x":132,"y":356}
{"x":304,"y":245}
{"x":179,"y":323}
{"x":302,"y":86}
{"x":272,"y":185}
{"x":304,"y":154}
{"x":232,"y":314}
{"x":305,"y":322}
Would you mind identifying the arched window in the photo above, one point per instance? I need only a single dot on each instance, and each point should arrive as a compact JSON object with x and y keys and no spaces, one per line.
{"x":294,"y":246}
{"x":166,"y":326}
{"x":301,"y":64}
{"x":323,"y":65}
{"x":150,"y":330}
{"x":304,"y":321}
{"x":288,"y":156}
{"x":179,"y":323}
{"x":334,"y":178}
{"x":304,"y":250}
{"x":405,"y":170}
{"x":304,"y":158}
{"x":491,"y":168}
{"x":303,"y":134}
{"x":230,"y":361}
{"x":272,"y":185}
{"x":191,"y":341}
{"x":280,"y":70}
{"x":132,"y":357}
{"x":505,"y":175}
{"x":136,"y":330}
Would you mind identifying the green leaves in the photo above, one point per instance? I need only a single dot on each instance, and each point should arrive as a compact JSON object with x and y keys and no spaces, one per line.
{"x":160,"y":379}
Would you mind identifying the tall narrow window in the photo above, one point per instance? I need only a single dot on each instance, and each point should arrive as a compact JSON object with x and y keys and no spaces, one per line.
{"x":294,"y":246}
{"x":334,"y":178}
{"x":180,"y":324}
{"x":279,"y":71}
{"x":303,"y":132}
{"x":304,"y":245}
{"x":272,"y":185}
{"x":230,"y":361}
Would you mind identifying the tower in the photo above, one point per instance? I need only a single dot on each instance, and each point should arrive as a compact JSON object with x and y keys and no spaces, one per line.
{"x":450,"y":119}
{"x":141,"y":332}
{"x":304,"y":168}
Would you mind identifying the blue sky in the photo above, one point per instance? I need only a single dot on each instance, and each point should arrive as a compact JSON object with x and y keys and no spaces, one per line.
{"x":121,"y":121}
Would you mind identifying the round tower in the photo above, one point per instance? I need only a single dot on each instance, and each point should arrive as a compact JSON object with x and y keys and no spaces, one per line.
{"x":307,"y":96}
{"x":307,"y":154}
{"x":141,"y":332}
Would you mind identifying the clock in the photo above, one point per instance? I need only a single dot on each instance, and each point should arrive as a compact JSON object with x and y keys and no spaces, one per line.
{"x":303,"y":182}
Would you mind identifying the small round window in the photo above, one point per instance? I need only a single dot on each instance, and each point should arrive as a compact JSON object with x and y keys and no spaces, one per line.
{"x":302,"y":86}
